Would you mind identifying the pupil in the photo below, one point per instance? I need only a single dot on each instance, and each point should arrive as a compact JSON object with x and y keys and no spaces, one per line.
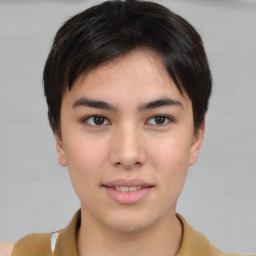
{"x":160,"y":119}
{"x":98,"y":120}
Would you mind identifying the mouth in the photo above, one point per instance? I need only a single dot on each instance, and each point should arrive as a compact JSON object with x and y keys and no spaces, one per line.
{"x":127,"y":189}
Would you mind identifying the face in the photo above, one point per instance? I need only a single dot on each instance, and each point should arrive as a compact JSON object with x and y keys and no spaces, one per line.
{"x":128,"y":140}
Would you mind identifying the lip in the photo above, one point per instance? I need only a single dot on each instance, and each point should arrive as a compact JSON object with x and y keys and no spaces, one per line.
{"x":128,"y":198}
{"x":127,"y":183}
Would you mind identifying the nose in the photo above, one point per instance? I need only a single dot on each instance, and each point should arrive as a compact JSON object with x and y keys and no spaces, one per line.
{"x":127,"y":148}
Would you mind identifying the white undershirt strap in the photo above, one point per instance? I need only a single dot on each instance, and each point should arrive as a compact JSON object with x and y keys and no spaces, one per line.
{"x":53,"y":240}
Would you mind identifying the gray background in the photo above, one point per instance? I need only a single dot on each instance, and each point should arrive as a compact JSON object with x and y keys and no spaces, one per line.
{"x":219,"y":195}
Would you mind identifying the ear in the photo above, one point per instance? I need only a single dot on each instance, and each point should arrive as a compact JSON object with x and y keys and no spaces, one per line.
{"x":196,"y":143}
{"x":59,"y":146}
{"x":60,"y":151}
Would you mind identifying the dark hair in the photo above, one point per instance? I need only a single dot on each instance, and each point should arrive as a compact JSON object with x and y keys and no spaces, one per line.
{"x":113,"y":28}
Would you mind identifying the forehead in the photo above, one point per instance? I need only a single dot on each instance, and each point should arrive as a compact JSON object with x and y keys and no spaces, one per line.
{"x":139,"y":76}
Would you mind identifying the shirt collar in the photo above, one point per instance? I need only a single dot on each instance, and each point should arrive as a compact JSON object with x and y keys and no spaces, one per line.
{"x":193,"y":242}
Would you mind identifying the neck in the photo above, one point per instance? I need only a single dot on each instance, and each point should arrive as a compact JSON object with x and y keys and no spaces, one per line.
{"x":161,"y":238}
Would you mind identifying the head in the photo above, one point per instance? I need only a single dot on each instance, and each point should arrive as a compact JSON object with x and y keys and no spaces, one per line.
{"x":127,"y":85}
{"x":112,"y":29}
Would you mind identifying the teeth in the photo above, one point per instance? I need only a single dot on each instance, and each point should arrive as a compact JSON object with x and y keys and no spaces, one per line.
{"x":128,"y":189}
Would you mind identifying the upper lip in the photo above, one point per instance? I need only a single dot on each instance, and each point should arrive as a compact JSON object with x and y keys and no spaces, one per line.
{"x":127,"y":183}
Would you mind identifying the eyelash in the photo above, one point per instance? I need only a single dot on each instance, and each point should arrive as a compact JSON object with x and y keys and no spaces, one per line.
{"x":85,"y":120}
{"x":167,"y":119}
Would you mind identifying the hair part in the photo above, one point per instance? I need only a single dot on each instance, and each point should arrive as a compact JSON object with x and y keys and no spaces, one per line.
{"x":114,"y":28}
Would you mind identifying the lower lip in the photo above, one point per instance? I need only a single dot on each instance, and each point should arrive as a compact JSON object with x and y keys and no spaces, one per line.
{"x":128,"y":197}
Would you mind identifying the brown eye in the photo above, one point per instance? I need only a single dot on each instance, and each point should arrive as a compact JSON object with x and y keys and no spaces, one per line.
{"x":96,"y":120}
{"x":160,"y":119}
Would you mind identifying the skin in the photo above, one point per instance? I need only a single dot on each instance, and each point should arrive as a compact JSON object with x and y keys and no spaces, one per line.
{"x":6,"y":248}
{"x":128,"y":143}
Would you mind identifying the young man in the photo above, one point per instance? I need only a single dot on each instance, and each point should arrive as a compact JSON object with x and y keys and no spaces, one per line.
{"x":127,"y":85}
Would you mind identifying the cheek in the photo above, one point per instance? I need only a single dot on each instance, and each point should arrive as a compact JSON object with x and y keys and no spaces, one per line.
{"x":170,"y":159}
{"x":170,"y":153}
{"x":85,"y":162}
{"x":84,"y":152}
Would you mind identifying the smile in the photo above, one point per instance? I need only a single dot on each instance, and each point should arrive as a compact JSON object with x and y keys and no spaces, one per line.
{"x":127,"y":189}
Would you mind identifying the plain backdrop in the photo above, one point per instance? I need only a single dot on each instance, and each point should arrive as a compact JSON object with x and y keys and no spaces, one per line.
{"x":219,"y":198}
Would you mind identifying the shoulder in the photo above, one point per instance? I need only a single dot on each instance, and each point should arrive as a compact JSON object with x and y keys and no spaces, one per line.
{"x":195,"y":243}
{"x":34,"y":244}
{"x":6,"y":248}
{"x":41,"y":244}
{"x":235,"y":254}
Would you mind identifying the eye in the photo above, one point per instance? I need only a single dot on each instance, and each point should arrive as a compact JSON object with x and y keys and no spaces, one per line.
{"x":96,"y":120}
{"x":159,"y":120}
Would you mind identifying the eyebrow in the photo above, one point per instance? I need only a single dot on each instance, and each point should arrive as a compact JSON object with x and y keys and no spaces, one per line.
{"x":85,"y":102}
{"x":160,"y":103}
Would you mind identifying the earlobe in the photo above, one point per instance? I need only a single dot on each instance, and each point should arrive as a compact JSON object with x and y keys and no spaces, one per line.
{"x":60,"y":151}
{"x":59,"y":146}
{"x":196,"y":144}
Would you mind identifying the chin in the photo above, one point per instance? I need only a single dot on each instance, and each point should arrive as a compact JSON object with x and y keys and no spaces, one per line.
{"x":129,"y":222}
{"x":129,"y":226}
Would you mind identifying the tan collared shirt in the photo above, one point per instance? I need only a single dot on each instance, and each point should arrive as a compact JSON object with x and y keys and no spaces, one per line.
{"x":63,"y":242}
